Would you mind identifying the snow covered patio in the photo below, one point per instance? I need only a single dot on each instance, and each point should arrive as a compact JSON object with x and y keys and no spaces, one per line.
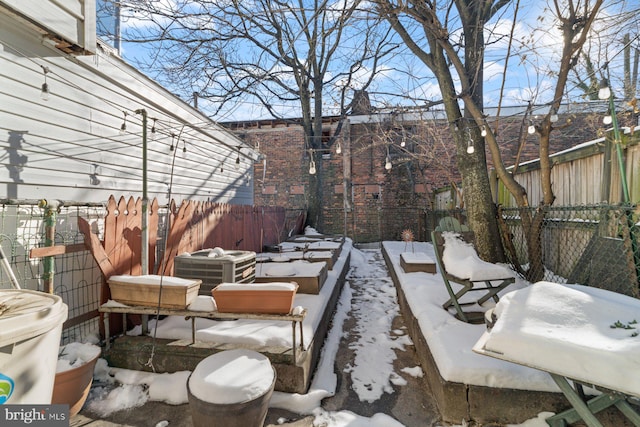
{"x":467,"y":385}
{"x":464,"y":385}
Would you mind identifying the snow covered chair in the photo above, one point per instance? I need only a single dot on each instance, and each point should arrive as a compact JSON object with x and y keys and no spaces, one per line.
{"x":449,"y":223}
{"x":459,"y":262}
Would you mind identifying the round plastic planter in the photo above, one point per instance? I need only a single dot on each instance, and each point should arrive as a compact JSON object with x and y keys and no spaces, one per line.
{"x":72,"y":386}
{"x":247,"y":413}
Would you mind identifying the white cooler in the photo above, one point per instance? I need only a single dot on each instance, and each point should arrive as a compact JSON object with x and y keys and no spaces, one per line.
{"x":30,"y":330}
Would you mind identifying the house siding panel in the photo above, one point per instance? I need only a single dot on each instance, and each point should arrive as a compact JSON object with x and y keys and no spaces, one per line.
{"x":70,"y":148}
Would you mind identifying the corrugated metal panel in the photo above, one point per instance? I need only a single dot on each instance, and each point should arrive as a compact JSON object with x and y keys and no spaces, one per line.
{"x":70,"y":147}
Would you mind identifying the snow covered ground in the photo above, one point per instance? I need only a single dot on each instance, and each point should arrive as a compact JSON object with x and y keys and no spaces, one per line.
{"x":450,"y":340}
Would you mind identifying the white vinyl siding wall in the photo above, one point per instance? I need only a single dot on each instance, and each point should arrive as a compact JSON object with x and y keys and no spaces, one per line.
{"x":70,"y":147}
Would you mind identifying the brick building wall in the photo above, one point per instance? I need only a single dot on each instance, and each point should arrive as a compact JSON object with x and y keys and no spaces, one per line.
{"x":379,"y":203}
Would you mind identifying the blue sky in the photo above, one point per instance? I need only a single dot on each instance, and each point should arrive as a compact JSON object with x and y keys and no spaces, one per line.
{"x":528,"y":76}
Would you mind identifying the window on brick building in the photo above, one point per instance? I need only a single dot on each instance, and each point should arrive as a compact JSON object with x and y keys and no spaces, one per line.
{"x":326,"y":137}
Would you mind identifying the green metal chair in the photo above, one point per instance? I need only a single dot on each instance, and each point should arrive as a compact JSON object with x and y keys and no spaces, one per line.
{"x":490,"y":287}
{"x":449,"y":223}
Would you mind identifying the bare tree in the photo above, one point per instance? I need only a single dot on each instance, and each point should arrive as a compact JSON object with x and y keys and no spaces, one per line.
{"x":453,"y":49}
{"x":295,"y":59}
{"x":452,"y":46}
{"x":612,"y":52}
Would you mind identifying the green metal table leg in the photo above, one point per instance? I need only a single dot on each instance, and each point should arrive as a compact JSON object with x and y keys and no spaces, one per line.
{"x":629,"y":412}
{"x":580,"y":408}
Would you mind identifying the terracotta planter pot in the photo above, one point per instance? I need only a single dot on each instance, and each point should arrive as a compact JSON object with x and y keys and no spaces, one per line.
{"x":72,"y":386}
{"x":254,"y":301}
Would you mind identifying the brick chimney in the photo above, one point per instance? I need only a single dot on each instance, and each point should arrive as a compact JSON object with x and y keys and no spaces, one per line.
{"x":361,"y":103}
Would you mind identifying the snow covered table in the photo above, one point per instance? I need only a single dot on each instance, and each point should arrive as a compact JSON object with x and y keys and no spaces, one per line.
{"x":575,"y":333}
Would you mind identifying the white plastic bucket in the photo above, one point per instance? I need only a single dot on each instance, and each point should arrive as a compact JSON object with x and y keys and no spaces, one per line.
{"x":30,"y":329}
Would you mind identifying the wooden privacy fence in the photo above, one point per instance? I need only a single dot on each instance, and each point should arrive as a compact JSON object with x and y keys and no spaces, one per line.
{"x":193,"y":225}
{"x":196,"y":225}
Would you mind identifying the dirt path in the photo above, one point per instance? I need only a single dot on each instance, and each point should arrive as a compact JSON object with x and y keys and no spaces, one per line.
{"x":372,"y":355}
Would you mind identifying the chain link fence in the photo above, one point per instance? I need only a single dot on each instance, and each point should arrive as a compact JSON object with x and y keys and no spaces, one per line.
{"x":46,"y":253}
{"x":26,"y":226}
{"x":596,"y":245}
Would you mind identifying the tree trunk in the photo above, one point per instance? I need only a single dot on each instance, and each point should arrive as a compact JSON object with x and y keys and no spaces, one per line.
{"x":315,"y":194}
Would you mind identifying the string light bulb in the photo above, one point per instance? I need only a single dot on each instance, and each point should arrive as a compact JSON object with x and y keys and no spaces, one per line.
{"x":531,"y":129}
{"x":184,"y":146}
{"x":387,"y":161}
{"x":403,"y":142}
{"x":604,"y":92}
{"x":123,"y":127}
{"x":44,"y":92}
{"x":153,"y":129}
{"x":238,"y":160}
{"x":484,"y":131}
{"x":312,"y":164}
{"x":470,"y":148}
{"x":339,"y":148}
{"x":388,"y":164}
{"x":173,"y":135}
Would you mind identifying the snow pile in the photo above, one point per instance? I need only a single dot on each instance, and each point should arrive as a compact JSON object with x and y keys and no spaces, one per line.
{"x":76,"y":354}
{"x":232,"y":376}
{"x":417,"y":258}
{"x":300,"y":268}
{"x":271,"y":286}
{"x":203,"y":303}
{"x":584,"y":333}
{"x":152,"y":279}
{"x":461,"y":260}
{"x":450,"y":340}
{"x":374,"y":309}
{"x":120,"y":389}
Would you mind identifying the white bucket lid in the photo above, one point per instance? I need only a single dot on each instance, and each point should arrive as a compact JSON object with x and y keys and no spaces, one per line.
{"x":26,"y":314}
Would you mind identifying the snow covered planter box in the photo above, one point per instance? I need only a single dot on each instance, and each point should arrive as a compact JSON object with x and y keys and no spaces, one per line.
{"x":416,"y":262}
{"x":273,"y":298}
{"x":145,"y":290}
{"x":310,"y":276}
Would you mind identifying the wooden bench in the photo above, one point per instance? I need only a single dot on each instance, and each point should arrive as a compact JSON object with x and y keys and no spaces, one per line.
{"x":145,"y":311}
